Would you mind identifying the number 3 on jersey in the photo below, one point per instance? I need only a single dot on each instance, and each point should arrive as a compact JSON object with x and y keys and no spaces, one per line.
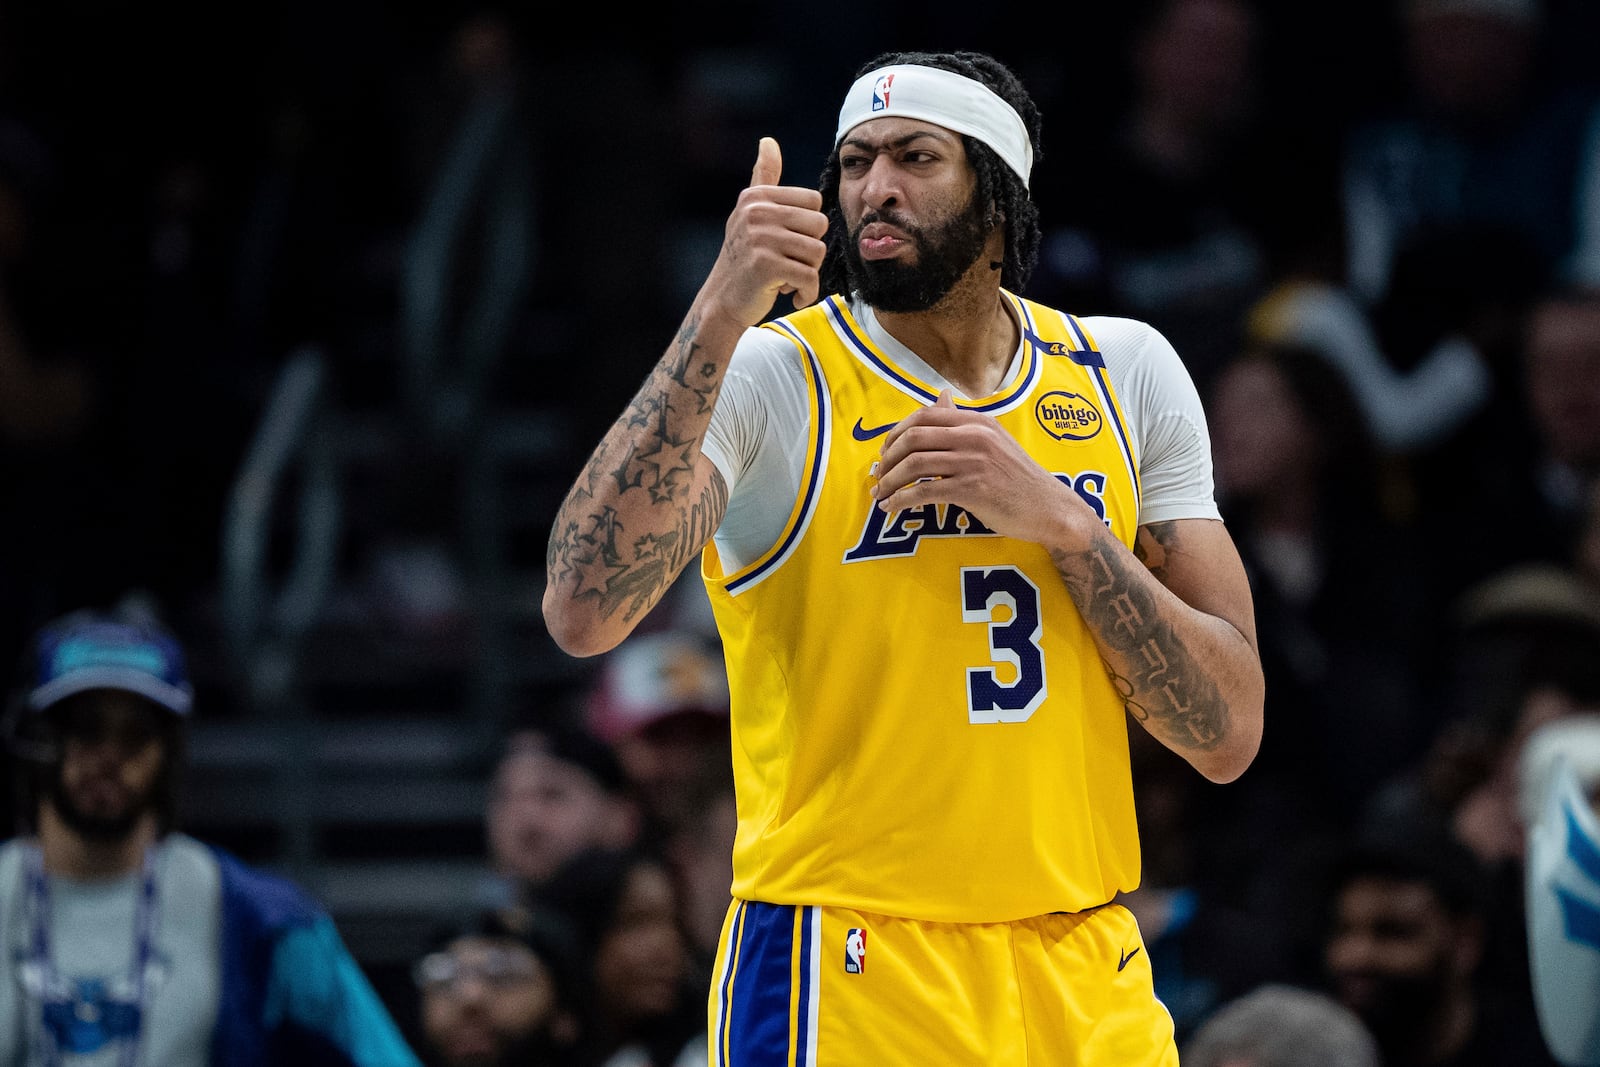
{"x":1004,"y":599}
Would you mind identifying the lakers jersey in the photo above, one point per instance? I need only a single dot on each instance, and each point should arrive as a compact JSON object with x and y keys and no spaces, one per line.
{"x":922,"y":724}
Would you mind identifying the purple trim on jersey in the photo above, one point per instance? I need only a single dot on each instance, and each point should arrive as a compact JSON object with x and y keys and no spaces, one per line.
{"x":1023,"y":384}
{"x":823,"y":431}
{"x":1120,"y":431}
{"x":1087,"y":354}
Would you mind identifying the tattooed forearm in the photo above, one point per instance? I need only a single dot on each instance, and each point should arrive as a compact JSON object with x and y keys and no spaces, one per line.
{"x":692,"y":372}
{"x":632,"y":578}
{"x":1161,"y":683}
{"x":644,"y":469}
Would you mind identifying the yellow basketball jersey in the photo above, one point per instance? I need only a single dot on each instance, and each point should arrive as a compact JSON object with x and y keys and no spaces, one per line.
{"x":922,"y":724}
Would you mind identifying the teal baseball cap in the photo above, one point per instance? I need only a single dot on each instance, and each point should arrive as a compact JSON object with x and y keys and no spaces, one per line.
{"x":90,"y":650}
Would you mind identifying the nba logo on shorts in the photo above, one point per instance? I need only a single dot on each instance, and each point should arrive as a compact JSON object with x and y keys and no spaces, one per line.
{"x":855,"y":951}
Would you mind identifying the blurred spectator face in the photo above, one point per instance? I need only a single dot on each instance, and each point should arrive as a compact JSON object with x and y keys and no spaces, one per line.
{"x":1262,"y":439}
{"x":484,"y":50}
{"x":488,"y":1002}
{"x":1395,"y":953}
{"x":1563,"y":379}
{"x":1466,"y":61}
{"x":662,"y":702}
{"x":543,"y":810}
{"x":669,"y":759}
{"x":1487,"y":819}
{"x":642,"y":959}
{"x":112,"y":757}
{"x":1199,"y":60}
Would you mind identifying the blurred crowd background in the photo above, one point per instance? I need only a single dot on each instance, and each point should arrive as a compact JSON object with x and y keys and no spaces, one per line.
{"x":309,"y":312}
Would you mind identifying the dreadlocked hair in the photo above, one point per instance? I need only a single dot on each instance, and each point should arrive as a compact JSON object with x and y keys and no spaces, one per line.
{"x":997,"y":183}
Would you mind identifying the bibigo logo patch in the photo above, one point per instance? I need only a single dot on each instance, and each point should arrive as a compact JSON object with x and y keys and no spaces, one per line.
{"x":1067,"y":416}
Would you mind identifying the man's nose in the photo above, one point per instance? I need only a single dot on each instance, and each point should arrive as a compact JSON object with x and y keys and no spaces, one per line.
{"x":881,"y":187}
{"x":470,"y":986}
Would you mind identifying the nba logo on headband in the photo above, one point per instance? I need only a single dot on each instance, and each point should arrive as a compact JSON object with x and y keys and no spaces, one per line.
{"x":880,"y":91}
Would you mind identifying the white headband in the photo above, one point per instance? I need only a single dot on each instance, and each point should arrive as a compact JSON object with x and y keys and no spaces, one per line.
{"x":944,"y":98}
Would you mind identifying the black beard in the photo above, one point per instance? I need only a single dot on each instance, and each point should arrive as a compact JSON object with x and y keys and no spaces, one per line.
{"x":944,"y":254}
{"x":1399,"y":1017}
{"x":537,"y":1047}
{"x":97,"y":828}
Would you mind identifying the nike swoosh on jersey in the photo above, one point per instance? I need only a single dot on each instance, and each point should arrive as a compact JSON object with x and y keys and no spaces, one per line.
{"x":1126,"y":956}
{"x":863,"y":433}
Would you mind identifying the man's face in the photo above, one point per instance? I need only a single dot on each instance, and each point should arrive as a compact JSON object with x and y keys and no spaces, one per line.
{"x":669,"y":760}
{"x":111,"y":762}
{"x":543,"y":810}
{"x":1563,"y":374}
{"x":642,"y":958}
{"x":1264,"y":440}
{"x":909,"y":199}
{"x":1394,"y":953}
{"x":486,"y":1002}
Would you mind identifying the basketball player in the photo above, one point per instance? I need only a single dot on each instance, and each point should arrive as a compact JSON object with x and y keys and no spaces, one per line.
{"x":953,"y":539}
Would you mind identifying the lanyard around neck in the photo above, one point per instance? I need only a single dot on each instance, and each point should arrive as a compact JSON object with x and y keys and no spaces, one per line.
{"x":44,"y":965}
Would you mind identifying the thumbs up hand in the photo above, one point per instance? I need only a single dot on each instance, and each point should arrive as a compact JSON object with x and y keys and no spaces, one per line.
{"x":772,"y":245}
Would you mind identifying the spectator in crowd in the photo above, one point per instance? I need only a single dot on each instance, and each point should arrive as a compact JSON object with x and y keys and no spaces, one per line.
{"x":1320,"y":522}
{"x":1481,"y":146}
{"x":1537,"y":645}
{"x":1482,"y":181}
{"x":1419,"y":404}
{"x":1406,"y":945}
{"x":700,"y":851}
{"x":1561,"y":356}
{"x":1278,"y":1025}
{"x":1170,"y":223}
{"x":645,"y":1003}
{"x":662,"y":701}
{"x":123,"y":937}
{"x":1525,"y":652}
{"x":1524,"y":648}
{"x":501,"y":992}
{"x":1476,"y":188}
{"x":557,"y":791}
{"x":1533,"y":454}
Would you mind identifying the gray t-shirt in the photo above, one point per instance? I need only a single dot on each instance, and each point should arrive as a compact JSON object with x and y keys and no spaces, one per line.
{"x":85,"y":989}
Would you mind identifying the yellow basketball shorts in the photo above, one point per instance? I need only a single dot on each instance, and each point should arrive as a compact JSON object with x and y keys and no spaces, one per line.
{"x":831,"y":987}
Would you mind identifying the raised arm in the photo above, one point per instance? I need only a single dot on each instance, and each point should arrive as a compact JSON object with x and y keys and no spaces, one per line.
{"x":647,"y":500}
{"x":1173,"y":618}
